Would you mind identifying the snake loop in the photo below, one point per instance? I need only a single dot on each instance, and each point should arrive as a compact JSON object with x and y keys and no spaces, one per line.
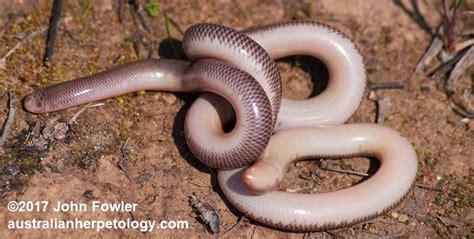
{"x":238,"y":71}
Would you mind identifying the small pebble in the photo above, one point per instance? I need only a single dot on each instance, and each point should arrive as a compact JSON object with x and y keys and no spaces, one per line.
{"x":402,"y":218}
{"x":394,"y":215}
{"x":169,"y":98}
{"x":86,"y":161}
{"x":40,"y":144}
{"x":425,"y":89}
{"x":441,"y":211}
{"x":103,"y":6}
{"x":143,"y":177}
{"x":88,"y":194}
{"x":372,"y":95}
{"x":54,"y":130}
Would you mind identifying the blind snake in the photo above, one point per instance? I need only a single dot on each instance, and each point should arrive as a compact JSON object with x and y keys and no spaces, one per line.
{"x":270,"y":132}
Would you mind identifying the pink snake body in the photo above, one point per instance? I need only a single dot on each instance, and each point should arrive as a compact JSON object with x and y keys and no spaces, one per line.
{"x":269,"y":132}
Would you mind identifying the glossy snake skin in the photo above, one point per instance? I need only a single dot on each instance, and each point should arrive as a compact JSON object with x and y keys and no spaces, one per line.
{"x":270,"y":132}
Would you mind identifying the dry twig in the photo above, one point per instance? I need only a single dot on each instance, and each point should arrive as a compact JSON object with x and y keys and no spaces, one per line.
{"x":142,"y":15}
{"x":433,"y":50}
{"x":428,"y":187}
{"x":198,"y":185}
{"x":84,"y":108}
{"x":447,"y":221}
{"x":465,"y":44}
{"x":53,"y":29}
{"x":360,"y":174}
{"x":175,"y":24}
{"x":123,"y":150}
{"x":449,"y":22}
{"x":415,"y":14}
{"x":136,"y":10}
{"x":10,"y":118}
{"x":381,"y":106}
{"x":168,"y":33}
{"x":386,"y":85}
{"x":459,"y":109}
{"x":422,"y":218}
{"x":461,"y":66}
{"x":444,"y":68}
{"x":253,"y":231}
{"x":122,"y":164}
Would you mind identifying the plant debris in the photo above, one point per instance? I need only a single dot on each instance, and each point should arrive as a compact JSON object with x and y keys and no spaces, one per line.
{"x":205,"y":212}
{"x":451,"y":47}
{"x":433,"y":50}
{"x":386,"y":85}
{"x":10,"y":119}
{"x":381,"y":106}
{"x":54,"y":130}
{"x":53,"y":29}
{"x":152,"y":8}
{"x":447,"y":222}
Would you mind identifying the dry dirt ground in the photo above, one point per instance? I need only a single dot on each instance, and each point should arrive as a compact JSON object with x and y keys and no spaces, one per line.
{"x":132,"y":149}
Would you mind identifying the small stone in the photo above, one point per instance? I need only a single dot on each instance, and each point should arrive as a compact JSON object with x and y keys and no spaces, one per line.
{"x":438,"y":177}
{"x":425,"y":89}
{"x":394,"y":215}
{"x":143,"y":177}
{"x":40,"y":144}
{"x":402,"y":218}
{"x":86,"y":161}
{"x":372,"y":95}
{"x":441,"y":211}
{"x":103,"y":6}
{"x":54,"y":130}
{"x":169,"y":98}
{"x":88,"y":194}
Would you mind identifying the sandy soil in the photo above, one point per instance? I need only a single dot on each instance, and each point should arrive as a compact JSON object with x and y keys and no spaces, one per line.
{"x":132,"y":148}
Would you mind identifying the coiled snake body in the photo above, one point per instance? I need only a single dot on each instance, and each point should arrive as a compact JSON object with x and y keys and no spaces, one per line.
{"x":239,"y":74}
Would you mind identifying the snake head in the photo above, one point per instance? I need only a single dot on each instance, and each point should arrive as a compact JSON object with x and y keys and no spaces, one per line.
{"x":33,"y":103}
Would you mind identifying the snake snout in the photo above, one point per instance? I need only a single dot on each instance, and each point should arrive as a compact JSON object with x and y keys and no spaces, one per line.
{"x":33,"y":104}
